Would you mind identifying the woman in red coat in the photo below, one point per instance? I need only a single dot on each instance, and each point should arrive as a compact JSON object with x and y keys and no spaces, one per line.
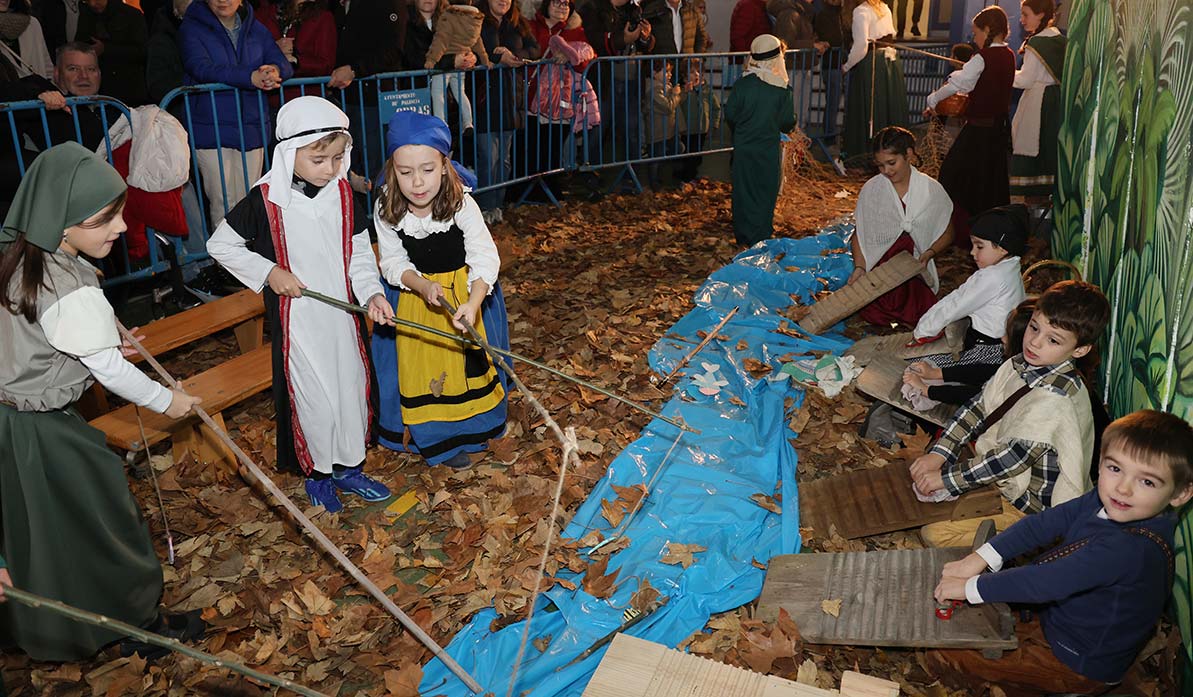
{"x":306,"y":34}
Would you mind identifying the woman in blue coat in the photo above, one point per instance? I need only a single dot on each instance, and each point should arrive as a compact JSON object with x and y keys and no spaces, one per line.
{"x":222,"y":42}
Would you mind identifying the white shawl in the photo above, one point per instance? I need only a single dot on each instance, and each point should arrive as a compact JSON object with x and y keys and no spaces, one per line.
{"x":881,"y":218}
{"x":302,"y":121}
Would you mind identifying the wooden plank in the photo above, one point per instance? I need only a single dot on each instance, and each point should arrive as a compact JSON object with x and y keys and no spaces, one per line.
{"x":866,"y":349}
{"x":634,"y":667}
{"x":858,"y":685}
{"x":886,"y":600}
{"x":185,"y":327}
{"x":883,"y":380}
{"x":220,"y":387}
{"x":878,"y":500}
{"x":851,"y":298}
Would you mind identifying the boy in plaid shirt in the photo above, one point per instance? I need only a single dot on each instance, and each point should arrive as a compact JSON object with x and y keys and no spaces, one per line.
{"x":1039,"y":450}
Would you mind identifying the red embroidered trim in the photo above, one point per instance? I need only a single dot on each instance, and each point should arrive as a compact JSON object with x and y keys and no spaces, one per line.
{"x":278,"y":231}
{"x":348,"y":215}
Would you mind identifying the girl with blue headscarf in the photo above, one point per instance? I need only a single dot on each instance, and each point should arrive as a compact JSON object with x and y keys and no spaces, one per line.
{"x":439,"y":398}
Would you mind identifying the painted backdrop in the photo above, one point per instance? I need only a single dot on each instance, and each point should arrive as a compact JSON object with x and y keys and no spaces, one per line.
{"x":1124,"y":205}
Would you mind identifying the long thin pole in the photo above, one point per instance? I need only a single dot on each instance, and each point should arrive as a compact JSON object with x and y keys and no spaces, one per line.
{"x":312,"y":530}
{"x":707,"y":338}
{"x":349,"y":307}
{"x":37,"y":602}
{"x":926,"y":54}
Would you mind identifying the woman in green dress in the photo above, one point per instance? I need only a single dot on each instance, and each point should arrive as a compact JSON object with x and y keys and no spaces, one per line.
{"x":1036,"y":126}
{"x":759,"y":110}
{"x":877,"y":93}
{"x":69,"y":527}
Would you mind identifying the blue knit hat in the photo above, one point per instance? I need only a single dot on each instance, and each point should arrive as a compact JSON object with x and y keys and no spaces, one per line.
{"x":413,"y":128}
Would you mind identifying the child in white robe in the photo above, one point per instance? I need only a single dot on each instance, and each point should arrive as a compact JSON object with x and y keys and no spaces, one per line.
{"x":299,"y":227}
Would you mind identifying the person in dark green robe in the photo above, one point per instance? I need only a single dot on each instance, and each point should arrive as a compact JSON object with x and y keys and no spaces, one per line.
{"x":69,"y":527}
{"x":759,"y":111}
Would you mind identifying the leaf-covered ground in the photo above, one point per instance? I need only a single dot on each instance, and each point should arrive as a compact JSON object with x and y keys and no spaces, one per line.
{"x":590,"y":287}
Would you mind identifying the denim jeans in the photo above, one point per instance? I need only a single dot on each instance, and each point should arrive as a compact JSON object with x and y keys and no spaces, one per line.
{"x":493,"y":162}
{"x":440,"y":84}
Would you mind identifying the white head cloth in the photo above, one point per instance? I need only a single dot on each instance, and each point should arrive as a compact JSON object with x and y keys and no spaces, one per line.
{"x":773,"y":69}
{"x":882,"y":218}
{"x":302,"y":121}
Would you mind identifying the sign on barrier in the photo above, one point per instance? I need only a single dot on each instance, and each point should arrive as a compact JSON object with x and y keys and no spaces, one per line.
{"x":418,"y":100}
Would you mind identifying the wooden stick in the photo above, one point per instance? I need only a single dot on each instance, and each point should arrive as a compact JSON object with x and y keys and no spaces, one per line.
{"x":567,"y":442}
{"x":926,"y":54}
{"x":312,"y":530}
{"x":37,"y":602}
{"x":707,"y":338}
{"x":307,"y":292}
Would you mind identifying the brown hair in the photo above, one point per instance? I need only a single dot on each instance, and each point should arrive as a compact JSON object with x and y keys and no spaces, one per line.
{"x":326,"y":142}
{"x":1042,"y":7}
{"x":1154,"y":438}
{"x":896,"y":139}
{"x":514,"y":17}
{"x":1078,"y":307}
{"x":994,"y":20}
{"x":447,"y":203}
{"x":1017,"y":325}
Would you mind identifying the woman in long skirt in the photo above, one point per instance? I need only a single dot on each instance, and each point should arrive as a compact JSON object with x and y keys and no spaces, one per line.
{"x":877,"y":95}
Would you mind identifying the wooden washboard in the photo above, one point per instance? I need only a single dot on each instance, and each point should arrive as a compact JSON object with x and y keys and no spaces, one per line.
{"x":878,"y":500}
{"x":849,"y":299}
{"x":634,"y":667}
{"x":886,"y":600}
{"x":868,"y":348}
{"x":883,"y":380}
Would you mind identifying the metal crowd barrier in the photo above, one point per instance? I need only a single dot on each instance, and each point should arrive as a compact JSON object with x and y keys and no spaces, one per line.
{"x":33,"y":128}
{"x":492,"y":117}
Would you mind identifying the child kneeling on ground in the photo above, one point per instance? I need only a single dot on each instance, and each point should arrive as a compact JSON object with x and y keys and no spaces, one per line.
{"x":1102,"y":590}
{"x":1031,"y":426}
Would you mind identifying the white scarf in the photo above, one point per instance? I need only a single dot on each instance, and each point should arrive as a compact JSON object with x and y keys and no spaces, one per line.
{"x":881,"y":218}
{"x":302,"y":121}
{"x":772,"y":72}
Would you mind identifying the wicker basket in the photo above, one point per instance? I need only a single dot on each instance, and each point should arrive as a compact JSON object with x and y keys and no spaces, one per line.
{"x":955,"y":105}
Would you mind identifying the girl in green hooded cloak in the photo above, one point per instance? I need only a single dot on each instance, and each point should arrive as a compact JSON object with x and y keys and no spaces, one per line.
{"x":69,"y":527}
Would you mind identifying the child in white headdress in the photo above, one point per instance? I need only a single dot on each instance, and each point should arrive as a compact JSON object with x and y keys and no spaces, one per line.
{"x":300,"y":227}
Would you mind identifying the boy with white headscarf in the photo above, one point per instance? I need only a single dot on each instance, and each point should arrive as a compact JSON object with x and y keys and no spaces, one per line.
{"x":300,"y":227}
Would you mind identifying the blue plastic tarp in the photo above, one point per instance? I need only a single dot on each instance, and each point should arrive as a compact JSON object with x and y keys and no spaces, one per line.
{"x":701,"y":496}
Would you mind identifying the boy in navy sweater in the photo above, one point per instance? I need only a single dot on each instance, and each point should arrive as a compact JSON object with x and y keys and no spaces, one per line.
{"x":1099,"y":593}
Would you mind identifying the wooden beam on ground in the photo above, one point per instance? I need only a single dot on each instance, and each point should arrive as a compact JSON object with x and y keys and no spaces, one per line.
{"x":883,"y":380}
{"x":881,"y":280}
{"x":879,"y":500}
{"x":634,"y":667}
{"x":885,"y":600}
{"x":866,"y":349}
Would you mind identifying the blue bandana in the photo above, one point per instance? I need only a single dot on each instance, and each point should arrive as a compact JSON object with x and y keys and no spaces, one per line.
{"x":413,"y":128}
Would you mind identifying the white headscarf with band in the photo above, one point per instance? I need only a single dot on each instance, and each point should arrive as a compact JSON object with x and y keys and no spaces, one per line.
{"x":302,"y":121}
{"x":766,"y":60}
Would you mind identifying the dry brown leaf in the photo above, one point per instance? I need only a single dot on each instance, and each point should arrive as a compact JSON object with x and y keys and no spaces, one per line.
{"x":596,"y":582}
{"x":404,"y":681}
{"x":831,"y":607}
{"x":755,"y":367}
{"x":767,"y":502}
{"x":681,"y":554}
{"x":437,"y":384}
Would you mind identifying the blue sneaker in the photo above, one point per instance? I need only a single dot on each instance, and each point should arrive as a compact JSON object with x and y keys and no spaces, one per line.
{"x":323,"y":493}
{"x":356,"y":482}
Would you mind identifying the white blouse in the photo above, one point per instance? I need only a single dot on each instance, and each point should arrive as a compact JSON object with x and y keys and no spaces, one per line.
{"x":987,"y":298}
{"x":869,"y":24}
{"x":961,"y":81}
{"x":480,"y":252}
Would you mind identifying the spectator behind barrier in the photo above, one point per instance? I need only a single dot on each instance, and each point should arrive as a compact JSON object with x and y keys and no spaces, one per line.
{"x":163,"y":62}
{"x":559,"y":104}
{"x":748,"y":21}
{"x":59,"y":22}
{"x":305,"y":32}
{"x":222,"y":42}
{"x":77,"y":74}
{"x":678,"y":27}
{"x":119,"y":35}
{"x":509,"y":43}
{"x":21,"y":35}
{"x":371,"y":36}
{"x":616,"y":28}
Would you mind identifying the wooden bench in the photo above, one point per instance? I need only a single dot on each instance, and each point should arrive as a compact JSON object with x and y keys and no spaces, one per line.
{"x":220,"y":387}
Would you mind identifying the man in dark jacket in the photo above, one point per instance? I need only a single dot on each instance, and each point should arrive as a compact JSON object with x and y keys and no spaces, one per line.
{"x":677,"y":26}
{"x":617,"y":28}
{"x":118,"y":33}
{"x":371,"y":38}
{"x":164,"y":71}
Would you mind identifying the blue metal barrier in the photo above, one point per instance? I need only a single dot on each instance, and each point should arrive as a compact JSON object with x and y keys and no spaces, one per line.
{"x":923,"y":76}
{"x":33,"y":129}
